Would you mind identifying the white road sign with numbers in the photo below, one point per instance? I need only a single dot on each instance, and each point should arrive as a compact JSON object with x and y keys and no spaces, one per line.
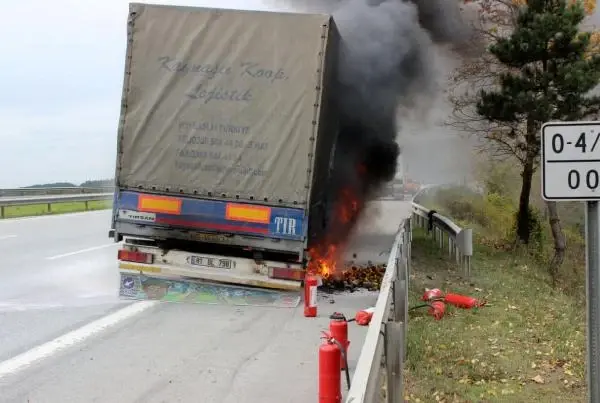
{"x":571,"y":161}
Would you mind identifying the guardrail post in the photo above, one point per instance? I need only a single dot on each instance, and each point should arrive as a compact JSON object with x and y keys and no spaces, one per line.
{"x":401,"y":291}
{"x":465,"y":238}
{"x":49,"y":207}
{"x":399,"y":300}
{"x":408,"y":247}
{"x":399,"y":282}
{"x":404,"y":264}
{"x":87,"y":205}
{"x":1,"y":211}
{"x":394,"y":346}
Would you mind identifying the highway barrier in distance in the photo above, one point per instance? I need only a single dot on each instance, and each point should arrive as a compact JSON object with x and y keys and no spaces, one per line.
{"x":457,"y":240}
{"x":48,"y":191}
{"x":50,"y":200}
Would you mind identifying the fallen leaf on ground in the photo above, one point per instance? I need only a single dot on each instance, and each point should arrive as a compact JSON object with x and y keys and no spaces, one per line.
{"x":538,"y":379}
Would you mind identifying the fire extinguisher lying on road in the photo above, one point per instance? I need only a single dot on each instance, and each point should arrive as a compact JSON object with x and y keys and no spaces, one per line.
{"x":363,"y":318}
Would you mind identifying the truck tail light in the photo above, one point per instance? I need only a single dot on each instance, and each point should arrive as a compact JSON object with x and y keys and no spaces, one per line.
{"x":284,"y":273}
{"x":138,"y":257}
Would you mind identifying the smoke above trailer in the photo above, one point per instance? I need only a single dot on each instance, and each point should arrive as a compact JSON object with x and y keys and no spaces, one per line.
{"x":385,"y":62}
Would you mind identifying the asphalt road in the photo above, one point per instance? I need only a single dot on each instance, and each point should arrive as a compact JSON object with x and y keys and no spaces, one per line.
{"x":66,"y":337}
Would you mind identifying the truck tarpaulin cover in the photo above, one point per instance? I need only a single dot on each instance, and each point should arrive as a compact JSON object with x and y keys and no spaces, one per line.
{"x":221,"y":101}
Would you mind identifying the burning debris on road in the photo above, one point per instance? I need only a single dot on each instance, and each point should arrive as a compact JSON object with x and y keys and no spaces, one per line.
{"x":355,"y":277}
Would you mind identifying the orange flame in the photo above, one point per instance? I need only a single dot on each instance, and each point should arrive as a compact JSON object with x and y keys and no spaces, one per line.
{"x":324,"y":258}
{"x":323,"y":265}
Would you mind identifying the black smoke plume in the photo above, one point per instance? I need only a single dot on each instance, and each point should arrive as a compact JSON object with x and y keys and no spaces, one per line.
{"x":384,"y":62}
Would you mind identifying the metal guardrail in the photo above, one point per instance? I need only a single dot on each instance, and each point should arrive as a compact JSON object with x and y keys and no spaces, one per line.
{"x":385,"y":342}
{"x":458,"y":241}
{"x":50,"y":200}
{"x":54,"y":191}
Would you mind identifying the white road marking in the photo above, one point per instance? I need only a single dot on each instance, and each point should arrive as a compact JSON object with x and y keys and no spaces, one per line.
{"x":46,"y":350}
{"x":3,"y":237}
{"x":53,"y":216}
{"x":20,"y":307}
{"x":77,"y":252}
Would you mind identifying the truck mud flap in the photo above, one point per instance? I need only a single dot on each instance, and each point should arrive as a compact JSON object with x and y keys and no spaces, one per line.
{"x":143,"y":287}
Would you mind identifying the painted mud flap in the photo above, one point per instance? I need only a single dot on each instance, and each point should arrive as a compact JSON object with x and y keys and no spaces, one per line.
{"x":143,"y":287}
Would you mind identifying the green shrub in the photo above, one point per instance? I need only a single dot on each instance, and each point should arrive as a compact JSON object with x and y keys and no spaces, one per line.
{"x":492,"y":215}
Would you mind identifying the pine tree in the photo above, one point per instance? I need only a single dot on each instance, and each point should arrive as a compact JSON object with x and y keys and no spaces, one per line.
{"x":549,"y":74}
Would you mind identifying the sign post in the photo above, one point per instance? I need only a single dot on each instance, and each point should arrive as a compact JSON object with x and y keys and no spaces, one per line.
{"x":571,"y":171}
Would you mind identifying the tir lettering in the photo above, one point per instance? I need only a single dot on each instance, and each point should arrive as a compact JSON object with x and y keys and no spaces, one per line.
{"x":285,"y":225}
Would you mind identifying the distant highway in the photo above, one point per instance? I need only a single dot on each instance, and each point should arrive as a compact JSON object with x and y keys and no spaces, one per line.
{"x":66,"y":337}
{"x":36,"y":199}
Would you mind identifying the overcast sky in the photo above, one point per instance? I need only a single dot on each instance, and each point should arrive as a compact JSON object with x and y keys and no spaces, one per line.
{"x":60,"y":86}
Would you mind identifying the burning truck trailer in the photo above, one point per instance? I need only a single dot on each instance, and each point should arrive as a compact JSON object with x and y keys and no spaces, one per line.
{"x":249,"y":142}
{"x":226,"y":148}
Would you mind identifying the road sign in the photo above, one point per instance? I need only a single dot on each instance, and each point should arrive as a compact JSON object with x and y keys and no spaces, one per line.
{"x":571,"y":161}
{"x":592,"y":226}
{"x":571,"y":171}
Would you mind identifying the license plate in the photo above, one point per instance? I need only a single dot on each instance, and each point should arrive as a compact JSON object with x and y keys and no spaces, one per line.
{"x":211,"y":238}
{"x":210,"y":262}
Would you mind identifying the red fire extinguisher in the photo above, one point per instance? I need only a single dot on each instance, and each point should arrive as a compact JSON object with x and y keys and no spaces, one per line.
{"x":432,"y":294}
{"x":463,"y":301}
{"x":338,"y":326}
{"x":310,"y":296}
{"x":330,"y":377}
{"x":363,"y":318}
{"x":437,"y":309}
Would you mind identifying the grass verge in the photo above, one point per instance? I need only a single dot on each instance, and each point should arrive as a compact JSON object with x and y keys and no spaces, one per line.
{"x":55,"y":208}
{"x":527,"y":345}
